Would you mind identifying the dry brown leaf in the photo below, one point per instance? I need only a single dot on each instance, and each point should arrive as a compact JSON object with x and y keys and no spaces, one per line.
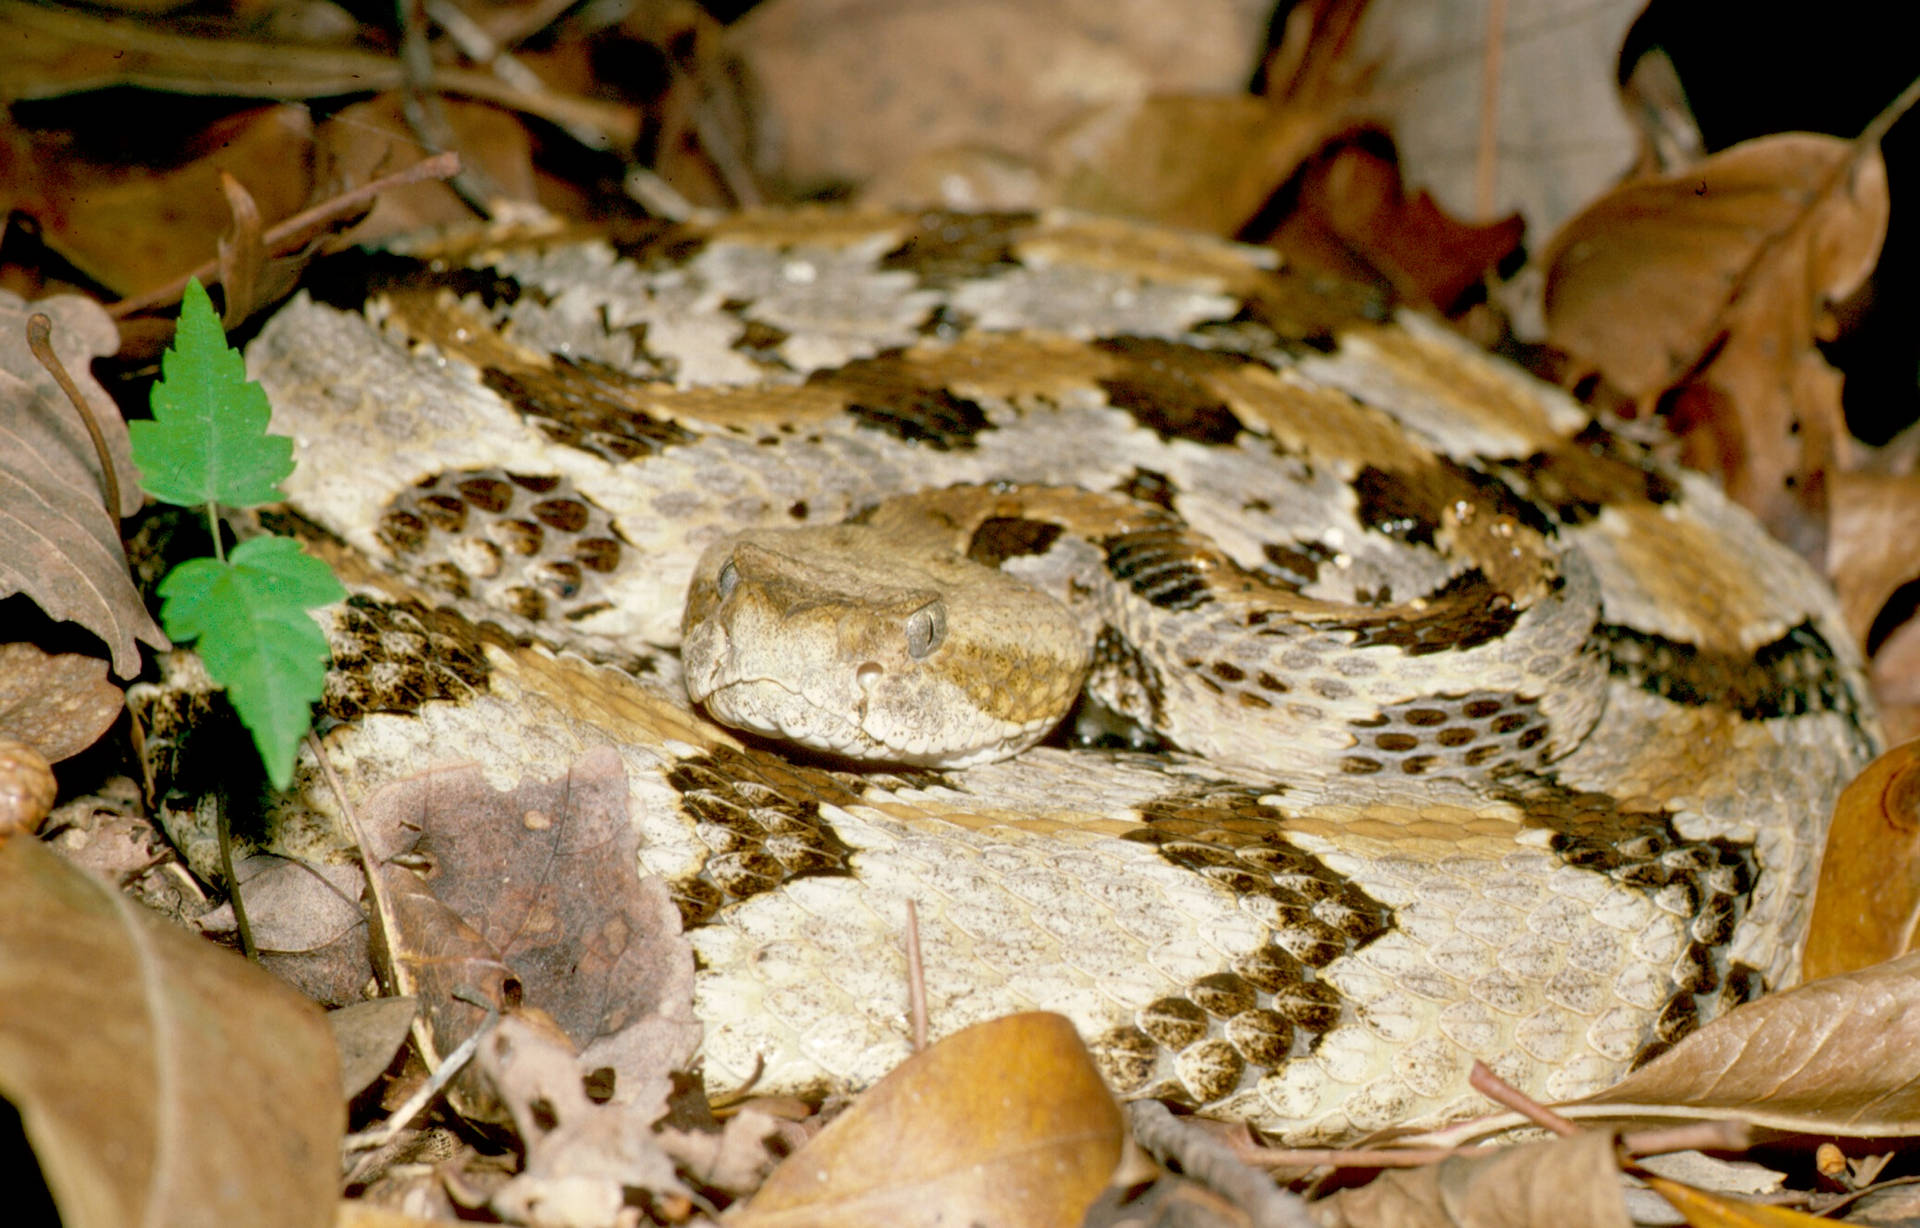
{"x":1876,"y":542}
{"x":582,"y":1158}
{"x":1868,"y":901}
{"x":850,"y":88}
{"x":1566,"y":1182}
{"x":307,"y":924}
{"x":371,"y":138}
{"x":159,"y":1079}
{"x":1560,"y":134}
{"x":1840,"y":1055}
{"x":1005,"y":1123}
{"x":59,"y":705}
{"x":1896,"y":680}
{"x":1355,"y":218}
{"x":1704,"y":1210}
{"x":1721,"y":278}
{"x":53,"y":51}
{"x":1199,"y":163}
{"x":131,"y":227}
{"x":58,"y":545}
{"x":368,"y":1036}
{"x":545,"y":877}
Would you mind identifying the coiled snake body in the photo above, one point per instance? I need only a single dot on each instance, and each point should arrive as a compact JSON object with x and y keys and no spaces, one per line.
{"x":1459,"y":728}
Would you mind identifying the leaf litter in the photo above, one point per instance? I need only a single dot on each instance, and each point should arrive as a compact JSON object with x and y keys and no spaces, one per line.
{"x":1326,"y":162}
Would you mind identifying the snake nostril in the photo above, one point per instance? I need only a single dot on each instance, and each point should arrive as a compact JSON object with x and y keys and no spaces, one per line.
{"x":868,"y":675}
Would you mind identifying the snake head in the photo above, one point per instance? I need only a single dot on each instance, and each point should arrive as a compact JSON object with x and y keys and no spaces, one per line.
{"x":825,"y":637}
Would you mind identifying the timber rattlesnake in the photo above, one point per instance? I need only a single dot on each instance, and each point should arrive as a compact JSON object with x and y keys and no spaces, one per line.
{"x":1485,"y":735}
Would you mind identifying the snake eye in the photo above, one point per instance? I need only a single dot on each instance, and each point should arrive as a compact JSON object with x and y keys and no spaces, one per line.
{"x":926,"y":627}
{"x":727,"y":580}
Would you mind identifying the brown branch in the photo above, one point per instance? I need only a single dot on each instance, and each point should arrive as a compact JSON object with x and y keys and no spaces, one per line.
{"x":916,"y":980}
{"x":40,"y":341}
{"x":1507,"y":1096}
{"x":298,"y":229}
{"x":1695,"y":1136}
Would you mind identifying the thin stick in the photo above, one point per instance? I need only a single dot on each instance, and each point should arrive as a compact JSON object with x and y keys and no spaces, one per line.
{"x":1356,"y":1157}
{"x":1695,"y":1136}
{"x":1507,"y":1096}
{"x":1486,"y":165}
{"x":40,"y":341}
{"x":916,"y":980}
{"x":286,"y":235}
{"x":1212,"y":1163}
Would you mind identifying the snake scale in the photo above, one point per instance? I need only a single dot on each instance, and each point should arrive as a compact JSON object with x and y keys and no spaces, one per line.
{"x":1420,"y":718}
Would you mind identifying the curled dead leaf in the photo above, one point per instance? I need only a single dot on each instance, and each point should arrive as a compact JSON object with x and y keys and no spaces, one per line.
{"x":1006,"y":1122}
{"x":1568,"y":1182}
{"x":1868,"y":901}
{"x":59,"y":705}
{"x":160,"y":1079}
{"x":1720,"y":279}
{"x":1840,"y":1055}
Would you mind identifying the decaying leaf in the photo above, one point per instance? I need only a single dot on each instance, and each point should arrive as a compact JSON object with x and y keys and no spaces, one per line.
{"x":1720,"y":278}
{"x":1567,"y":1182}
{"x":1006,"y":1122}
{"x":159,"y":1079}
{"x":58,"y":545}
{"x":847,"y":89}
{"x":59,"y":705}
{"x":368,"y":1036}
{"x":1559,"y":133}
{"x":1876,"y":524}
{"x":582,"y":1158}
{"x":1840,"y":1055}
{"x":1356,"y":219}
{"x":1868,"y":902}
{"x":307,"y":924}
{"x":1195,"y":162}
{"x":541,"y":880}
{"x":132,"y":227}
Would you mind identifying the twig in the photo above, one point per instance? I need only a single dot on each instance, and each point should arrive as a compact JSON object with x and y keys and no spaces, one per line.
{"x":40,"y":341}
{"x":1212,"y":1163}
{"x":1507,"y":1096}
{"x":223,"y":827}
{"x":1348,"y":1157}
{"x":1486,"y":165}
{"x":1696,"y":1136}
{"x":294,"y":230}
{"x":916,"y":980}
{"x":423,"y":1095}
{"x":383,"y":922}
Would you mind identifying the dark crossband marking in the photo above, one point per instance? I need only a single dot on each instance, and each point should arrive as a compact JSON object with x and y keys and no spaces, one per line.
{"x":1708,"y":883}
{"x":395,"y":657}
{"x":1791,"y":676}
{"x":1270,"y":1005}
{"x":1163,"y":385}
{"x":1465,"y":612}
{"x":1161,"y":566}
{"x":948,"y":248}
{"x":885,"y":394}
{"x":761,"y":819}
{"x":1000,"y":538}
{"x":588,"y":405}
{"x":1594,"y":469}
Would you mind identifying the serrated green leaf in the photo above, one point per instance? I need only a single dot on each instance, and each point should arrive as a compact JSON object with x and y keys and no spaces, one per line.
{"x":208,"y":440}
{"x":250,"y":617}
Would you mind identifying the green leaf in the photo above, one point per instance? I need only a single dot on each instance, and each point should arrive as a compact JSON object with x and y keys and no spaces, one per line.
{"x":208,"y":440}
{"x":250,"y":617}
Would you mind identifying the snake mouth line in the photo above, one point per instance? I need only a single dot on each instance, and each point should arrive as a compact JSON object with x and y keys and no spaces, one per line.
{"x":793,"y":716}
